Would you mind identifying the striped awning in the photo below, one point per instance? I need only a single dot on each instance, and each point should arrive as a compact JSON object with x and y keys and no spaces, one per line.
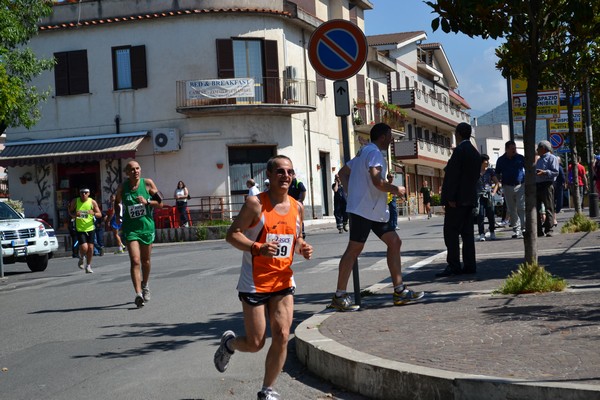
{"x":69,"y":150}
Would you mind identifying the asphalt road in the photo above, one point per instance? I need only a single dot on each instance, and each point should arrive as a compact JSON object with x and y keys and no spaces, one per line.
{"x":70,"y":335}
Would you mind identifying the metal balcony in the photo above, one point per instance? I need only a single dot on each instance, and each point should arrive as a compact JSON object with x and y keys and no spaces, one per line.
{"x":429,"y":108}
{"x":427,"y":153}
{"x":272,"y":96}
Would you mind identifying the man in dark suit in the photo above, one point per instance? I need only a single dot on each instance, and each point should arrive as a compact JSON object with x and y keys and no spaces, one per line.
{"x":459,"y":196}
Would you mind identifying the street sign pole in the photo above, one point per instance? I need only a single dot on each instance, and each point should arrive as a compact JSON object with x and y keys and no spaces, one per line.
{"x":338,"y":50}
{"x":342,"y":110}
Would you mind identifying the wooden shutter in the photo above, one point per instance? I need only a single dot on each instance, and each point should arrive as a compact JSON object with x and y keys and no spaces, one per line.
{"x":225,"y":66}
{"x":78,"y":72}
{"x":321,"y":85}
{"x":61,"y":74}
{"x":271,"y":65}
{"x":378,"y":112}
{"x":139,"y":76}
{"x":360,"y":95}
{"x":225,"y":59}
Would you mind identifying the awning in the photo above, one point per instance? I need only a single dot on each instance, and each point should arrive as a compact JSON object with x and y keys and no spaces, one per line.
{"x":69,"y":150}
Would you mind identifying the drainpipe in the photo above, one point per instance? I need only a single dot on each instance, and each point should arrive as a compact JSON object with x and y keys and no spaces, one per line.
{"x":118,"y":130}
{"x":310,"y":163}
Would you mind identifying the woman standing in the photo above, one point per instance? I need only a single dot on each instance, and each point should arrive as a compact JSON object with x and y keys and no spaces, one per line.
{"x":181,"y":198}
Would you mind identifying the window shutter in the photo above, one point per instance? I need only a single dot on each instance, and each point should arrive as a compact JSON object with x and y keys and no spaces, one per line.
{"x":360,"y":95}
{"x":379,"y":112}
{"x":78,"y":72}
{"x":225,"y":59}
{"x":61,"y":74}
{"x":321,"y":85}
{"x":272,"y":91}
{"x":139,"y":76}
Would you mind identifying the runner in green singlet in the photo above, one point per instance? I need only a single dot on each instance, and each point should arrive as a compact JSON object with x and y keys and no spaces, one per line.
{"x":138,"y":196}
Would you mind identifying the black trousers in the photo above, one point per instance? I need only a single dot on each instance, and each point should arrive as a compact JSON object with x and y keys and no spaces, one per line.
{"x":458,"y":223}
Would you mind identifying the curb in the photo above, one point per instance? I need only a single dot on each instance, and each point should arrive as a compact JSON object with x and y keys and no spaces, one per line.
{"x":378,"y":378}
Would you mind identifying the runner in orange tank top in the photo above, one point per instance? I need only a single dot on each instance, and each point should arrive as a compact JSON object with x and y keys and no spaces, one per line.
{"x":268,"y":231}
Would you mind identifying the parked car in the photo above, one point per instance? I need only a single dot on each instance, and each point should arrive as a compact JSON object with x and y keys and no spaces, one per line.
{"x":26,"y":239}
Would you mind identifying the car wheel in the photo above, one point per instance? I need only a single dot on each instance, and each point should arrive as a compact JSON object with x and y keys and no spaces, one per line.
{"x":37,"y":262}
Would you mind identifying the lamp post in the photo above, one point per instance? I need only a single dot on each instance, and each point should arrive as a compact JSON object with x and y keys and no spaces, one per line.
{"x":593,"y":196}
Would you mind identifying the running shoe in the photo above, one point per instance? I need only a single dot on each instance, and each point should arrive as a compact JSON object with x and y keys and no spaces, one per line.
{"x":146,"y":292}
{"x":482,"y":237}
{"x":492,"y":235}
{"x":139,"y":301}
{"x":223,"y":354}
{"x":80,"y":263}
{"x":268,"y":395}
{"x":88,"y":270}
{"x":406,"y":296}
{"x":343,"y":303}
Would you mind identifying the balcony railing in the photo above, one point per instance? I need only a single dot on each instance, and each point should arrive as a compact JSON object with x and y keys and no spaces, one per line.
{"x":415,"y":148}
{"x":411,"y":98}
{"x":271,"y":95}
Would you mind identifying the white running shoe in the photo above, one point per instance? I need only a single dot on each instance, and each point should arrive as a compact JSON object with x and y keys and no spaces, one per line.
{"x":482,"y":237}
{"x":88,"y":270}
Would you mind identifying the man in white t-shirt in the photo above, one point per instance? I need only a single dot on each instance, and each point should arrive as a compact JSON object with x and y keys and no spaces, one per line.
{"x":252,"y":188}
{"x":364,"y":178}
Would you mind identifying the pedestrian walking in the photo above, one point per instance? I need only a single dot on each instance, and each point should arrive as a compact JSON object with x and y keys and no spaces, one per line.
{"x":83,"y":210}
{"x":392,"y":202}
{"x":298,"y":192}
{"x":365,"y":178}
{"x":252,"y":188}
{"x":510,"y":170}
{"x":487,"y":186}
{"x":138,"y":196}
{"x":267,"y":230}
{"x":339,"y":205}
{"x":426,"y":192}
{"x":459,"y":196}
{"x":113,"y":226}
{"x":546,"y":171}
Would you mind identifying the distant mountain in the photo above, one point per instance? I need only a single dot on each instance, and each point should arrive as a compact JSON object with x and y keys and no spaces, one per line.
{"x":498,"y":115}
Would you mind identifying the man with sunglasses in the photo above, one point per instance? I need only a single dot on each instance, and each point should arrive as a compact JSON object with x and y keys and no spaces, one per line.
{"x":267,"y":230}
{"x":364,"y":177}
{"x":83,"y":209}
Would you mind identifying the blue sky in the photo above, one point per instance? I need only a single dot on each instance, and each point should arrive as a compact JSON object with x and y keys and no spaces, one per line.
{"x":473,"y":60}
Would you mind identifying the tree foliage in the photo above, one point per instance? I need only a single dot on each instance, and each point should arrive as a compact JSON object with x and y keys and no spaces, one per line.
{"x":18,"y":65}
{"x":537,"y":34}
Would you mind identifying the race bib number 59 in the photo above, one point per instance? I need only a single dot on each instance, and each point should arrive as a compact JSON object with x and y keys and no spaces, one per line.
{"x":285,"y":243}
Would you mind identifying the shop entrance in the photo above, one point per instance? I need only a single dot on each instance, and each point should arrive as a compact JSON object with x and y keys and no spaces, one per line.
{"x":71,"y":178}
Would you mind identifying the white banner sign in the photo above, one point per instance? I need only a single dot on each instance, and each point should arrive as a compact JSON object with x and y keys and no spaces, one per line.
{"x":220,"y":88}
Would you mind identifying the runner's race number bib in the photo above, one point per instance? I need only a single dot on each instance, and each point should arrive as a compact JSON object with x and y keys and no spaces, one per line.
{"x":136,"y":210}
{"x":285,"y":244}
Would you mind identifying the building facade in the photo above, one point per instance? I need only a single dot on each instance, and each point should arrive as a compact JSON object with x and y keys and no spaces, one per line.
{"x":202,"y":91}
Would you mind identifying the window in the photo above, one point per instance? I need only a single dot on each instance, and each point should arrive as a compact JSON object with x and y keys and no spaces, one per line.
{"x":71,"y":73}
{"x":251,"y":58}
{"x":129,"y":67}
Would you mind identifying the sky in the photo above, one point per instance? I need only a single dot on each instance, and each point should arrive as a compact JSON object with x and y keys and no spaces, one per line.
{"x":473,"y":60}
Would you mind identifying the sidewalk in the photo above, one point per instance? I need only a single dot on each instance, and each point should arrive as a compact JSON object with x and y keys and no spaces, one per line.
{"x":463,"y":342}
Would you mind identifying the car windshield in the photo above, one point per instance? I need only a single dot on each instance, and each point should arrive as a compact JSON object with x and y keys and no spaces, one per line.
{"x":6,"y":212}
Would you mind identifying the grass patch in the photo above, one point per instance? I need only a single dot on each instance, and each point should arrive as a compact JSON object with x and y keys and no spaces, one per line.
{"x":214,"y":222}
{"x":532,"y":278}
{"x":579,"y":223}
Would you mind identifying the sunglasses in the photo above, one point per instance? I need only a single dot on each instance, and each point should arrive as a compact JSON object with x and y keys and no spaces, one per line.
{"x":282,"y":171}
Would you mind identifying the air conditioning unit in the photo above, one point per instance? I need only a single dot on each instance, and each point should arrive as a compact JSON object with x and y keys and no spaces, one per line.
{"x":291,"y":95}
{"x":290,"y":72}
{"x":165,"y":140}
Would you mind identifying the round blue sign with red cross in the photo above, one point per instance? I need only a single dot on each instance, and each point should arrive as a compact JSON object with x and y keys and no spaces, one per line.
{"x":337,"y":49}
{"x":556,"y":140}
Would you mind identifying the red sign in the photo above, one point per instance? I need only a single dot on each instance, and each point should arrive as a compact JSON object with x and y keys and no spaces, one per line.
{"x":337,"y":49}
